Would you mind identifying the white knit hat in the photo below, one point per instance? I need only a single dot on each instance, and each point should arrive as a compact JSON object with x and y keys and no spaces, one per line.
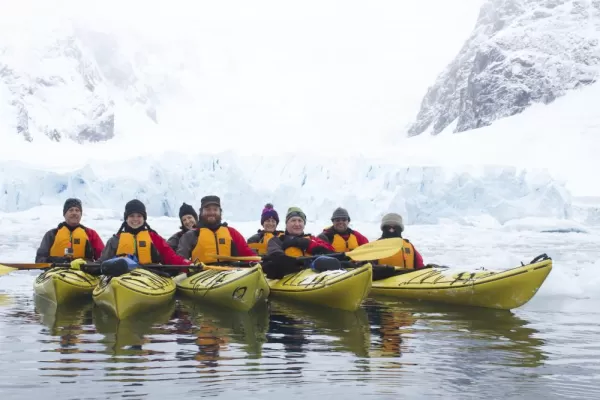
{"x":392,"y":219}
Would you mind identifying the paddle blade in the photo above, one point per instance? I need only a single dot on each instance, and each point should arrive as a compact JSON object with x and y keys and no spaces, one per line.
{"x":6,"y":270}
{"x":376,"y":250}
{"x":230,"y":258}
{"x":27,"y":266}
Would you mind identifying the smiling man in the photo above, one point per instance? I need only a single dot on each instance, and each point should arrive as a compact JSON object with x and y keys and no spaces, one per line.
{"x":70,"y":240}
{"x":342,"y":237}
{"x":212,"y":236}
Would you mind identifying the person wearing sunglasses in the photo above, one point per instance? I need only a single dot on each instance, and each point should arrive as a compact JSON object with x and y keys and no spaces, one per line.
{"x":408,"y":257}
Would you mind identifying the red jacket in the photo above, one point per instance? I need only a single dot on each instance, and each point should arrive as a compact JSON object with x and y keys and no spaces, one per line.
{"x":240,"y":243}
{"x":418,"y":259}
{"x":315,"y":242}
{"x":169,"y":257}
{"x":95,"y":241}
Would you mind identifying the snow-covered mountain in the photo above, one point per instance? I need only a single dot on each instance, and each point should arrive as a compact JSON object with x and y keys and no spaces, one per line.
{"x":65,"y":80}
{"x":521,"y":52}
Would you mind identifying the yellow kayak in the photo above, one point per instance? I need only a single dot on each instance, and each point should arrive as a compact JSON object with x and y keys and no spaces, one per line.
{"x":60,"y":285}
{"x":133,"y":292}
{"x":239,"y":289}
{"x":343,"y":288}
{"x":502,"y":289}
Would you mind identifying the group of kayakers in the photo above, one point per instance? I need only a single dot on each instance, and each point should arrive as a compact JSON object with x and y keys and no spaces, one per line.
{"x":204,"y":236}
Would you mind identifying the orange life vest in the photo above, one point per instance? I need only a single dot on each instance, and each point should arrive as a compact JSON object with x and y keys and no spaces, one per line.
{"x":261,"y":246}
{"x":72,"y":244}
{"x":212,"y":242}
{"x":139,"y":245}
{"x":405,"y":258}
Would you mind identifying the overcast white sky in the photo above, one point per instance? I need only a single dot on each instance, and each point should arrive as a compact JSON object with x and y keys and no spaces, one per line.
{"x":328,"y":71}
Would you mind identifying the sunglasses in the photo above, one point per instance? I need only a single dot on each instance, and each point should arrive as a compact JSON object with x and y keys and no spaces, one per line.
{"x":389,"y":227}
{"x":340,"y":220}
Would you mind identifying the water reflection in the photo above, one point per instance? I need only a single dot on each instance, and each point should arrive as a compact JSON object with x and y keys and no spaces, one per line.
{"x":128,"y":336}
{"x":301,"y":328}
{"x":66,"y":321}
{"x":494,"y":336}
{"x":214,"y":330}
{"x":5,"y":300}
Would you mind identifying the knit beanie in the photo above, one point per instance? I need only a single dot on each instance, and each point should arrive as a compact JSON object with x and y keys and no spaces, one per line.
{"x":295,"y":212}
{"x":186,"y":209}
{"x":392,"y":219}
{"x":72,"y":203}
{"x":340,"y":213}
{"x":269,"y":212}
{"x":135,"y":206}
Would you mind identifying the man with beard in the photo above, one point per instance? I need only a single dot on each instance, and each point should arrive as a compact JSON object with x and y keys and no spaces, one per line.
{"x":212,"y":236}
{"x":407,"y":257}
{"x":339,"y":235}
{"x":189,"y":219}
{"x":70,"y":240}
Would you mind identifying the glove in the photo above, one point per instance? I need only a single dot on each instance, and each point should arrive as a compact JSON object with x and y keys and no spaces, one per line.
{"x":301,"y":243}
{"x":76,"y":264}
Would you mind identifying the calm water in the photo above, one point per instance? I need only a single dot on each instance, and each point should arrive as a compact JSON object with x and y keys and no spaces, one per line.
{"x":549,"y":348}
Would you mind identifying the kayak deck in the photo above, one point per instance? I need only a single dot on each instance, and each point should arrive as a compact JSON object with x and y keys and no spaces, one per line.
{"x":133,"y":292}
{"x":343,"y":288}
{"x":61,"y":285}
{"x":239,"y":289}
{"x":492,"y":289}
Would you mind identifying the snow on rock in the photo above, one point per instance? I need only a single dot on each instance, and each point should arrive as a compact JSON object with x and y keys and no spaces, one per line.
{"x":520,"y":52}
{"x":367,"y":188}
{"x":53,"y":87}
{"x":63,"y":80}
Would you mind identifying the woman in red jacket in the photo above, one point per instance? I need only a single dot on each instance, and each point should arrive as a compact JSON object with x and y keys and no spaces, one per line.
{"x":136,"y":238}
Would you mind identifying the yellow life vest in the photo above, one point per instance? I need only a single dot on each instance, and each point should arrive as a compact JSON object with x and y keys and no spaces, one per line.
{"x":405,"y":258}
{"x":339,"y":244}
{"x":261,"y":246}
{"x":72,"y":244}
{"x":295,"y":251}
{"x":139,"y":245}
{"x":212,"y":242}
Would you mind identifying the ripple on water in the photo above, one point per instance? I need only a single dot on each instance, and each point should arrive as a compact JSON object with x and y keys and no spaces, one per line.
{"x":385,"y":349}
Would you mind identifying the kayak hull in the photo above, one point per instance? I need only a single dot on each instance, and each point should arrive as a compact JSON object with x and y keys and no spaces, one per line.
{"x":503,"y":290}
{"x":238,"y":289}
{"x":61,"y":285}
{"x":134,"y":292}
{"x":344,"y":289}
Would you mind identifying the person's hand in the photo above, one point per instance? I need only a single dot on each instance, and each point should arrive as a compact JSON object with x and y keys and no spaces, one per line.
{"x":76,"y":264}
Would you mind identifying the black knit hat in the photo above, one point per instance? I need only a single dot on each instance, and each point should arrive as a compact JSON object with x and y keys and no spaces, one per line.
{"x":208,"y":200}
{"x":186,"y":209}
{"x":135,"y":206}
{"x":72,"y":203}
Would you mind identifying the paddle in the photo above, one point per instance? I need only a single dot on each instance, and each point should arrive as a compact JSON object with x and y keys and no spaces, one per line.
{"x":367,"y":252}
{"x":94,"y":268}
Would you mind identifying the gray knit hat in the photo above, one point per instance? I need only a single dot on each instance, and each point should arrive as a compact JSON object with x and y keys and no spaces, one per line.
{"x":340,"y":213}
{"x":392,"y":219}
